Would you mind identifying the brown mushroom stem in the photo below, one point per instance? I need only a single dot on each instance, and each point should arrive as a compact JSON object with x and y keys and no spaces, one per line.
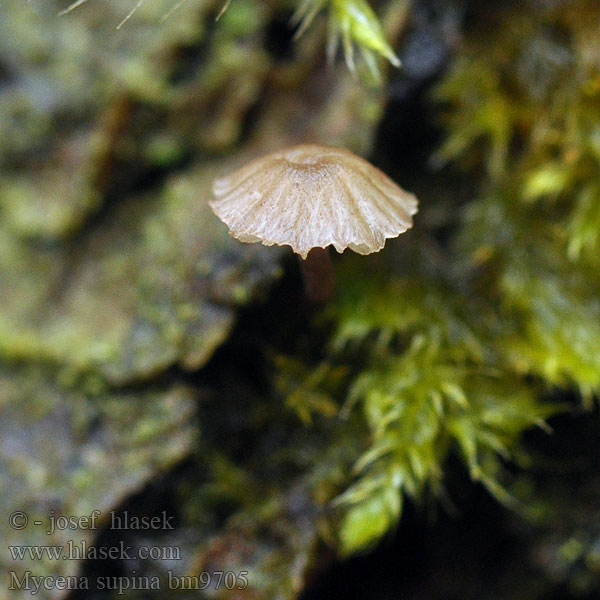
{"x":319,"y":278}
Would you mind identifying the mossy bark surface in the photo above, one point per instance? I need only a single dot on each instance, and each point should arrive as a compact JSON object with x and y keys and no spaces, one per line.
{"x":152,"y":365}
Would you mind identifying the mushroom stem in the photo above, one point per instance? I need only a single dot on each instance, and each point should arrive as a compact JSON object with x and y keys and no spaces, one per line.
{"x":319,"y":278}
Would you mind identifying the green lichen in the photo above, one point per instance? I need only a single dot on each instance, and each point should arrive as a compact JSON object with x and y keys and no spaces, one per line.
{"x":147,"y":330}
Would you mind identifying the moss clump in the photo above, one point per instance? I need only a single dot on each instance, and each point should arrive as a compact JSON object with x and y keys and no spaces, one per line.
{"x":455,"y":352}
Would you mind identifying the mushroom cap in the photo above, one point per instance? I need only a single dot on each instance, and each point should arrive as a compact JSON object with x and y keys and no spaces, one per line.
{"x":312,"y":196}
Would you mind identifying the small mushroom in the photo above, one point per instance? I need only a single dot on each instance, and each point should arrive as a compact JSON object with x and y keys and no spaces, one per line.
{"x":311,"y":197}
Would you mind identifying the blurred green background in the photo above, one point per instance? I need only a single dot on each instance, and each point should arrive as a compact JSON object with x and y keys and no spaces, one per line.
{"x":433,"y":432}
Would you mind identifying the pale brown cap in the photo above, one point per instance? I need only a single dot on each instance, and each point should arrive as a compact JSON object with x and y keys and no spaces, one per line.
{"x":313,"y":196}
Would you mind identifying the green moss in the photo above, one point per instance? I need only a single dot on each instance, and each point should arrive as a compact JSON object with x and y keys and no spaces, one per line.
{"x":352,"y":22}
{"x":452,"y":354}
{"x":535,"y":230}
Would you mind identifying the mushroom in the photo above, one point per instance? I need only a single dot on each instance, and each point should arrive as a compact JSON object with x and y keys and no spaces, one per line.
{"x":310,"y":197}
